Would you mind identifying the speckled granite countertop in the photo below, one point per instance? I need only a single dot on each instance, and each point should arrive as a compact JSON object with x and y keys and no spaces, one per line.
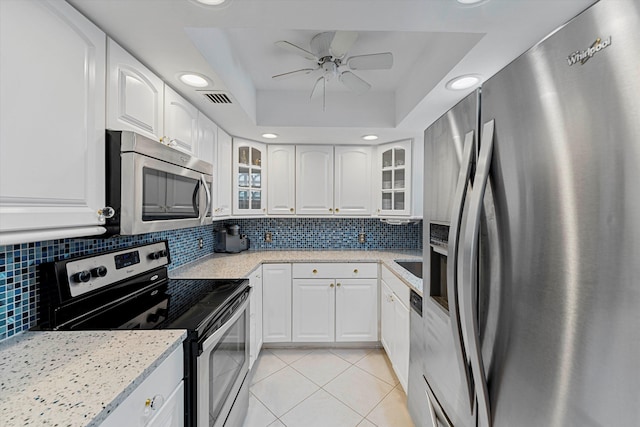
{"x":240,"y":265}
{"x":76,"y":378}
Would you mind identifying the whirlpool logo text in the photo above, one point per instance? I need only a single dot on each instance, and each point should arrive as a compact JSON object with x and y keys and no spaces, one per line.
{"x":582,"y":56}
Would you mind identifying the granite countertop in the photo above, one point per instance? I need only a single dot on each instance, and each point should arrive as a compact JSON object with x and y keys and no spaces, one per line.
{"x":226,"y":266}
{"x":57,"y":378}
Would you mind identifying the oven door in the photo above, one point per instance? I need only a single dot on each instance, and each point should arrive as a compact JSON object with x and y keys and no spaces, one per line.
{"x":156,"y":195}
{"x":222,"y":369}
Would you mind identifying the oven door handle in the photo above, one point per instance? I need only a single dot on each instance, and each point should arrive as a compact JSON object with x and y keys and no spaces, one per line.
{"x":212,"y":340}
{"x":203,"y":215}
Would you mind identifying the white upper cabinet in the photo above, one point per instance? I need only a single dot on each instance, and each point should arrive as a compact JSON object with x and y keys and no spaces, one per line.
{"x":223,"y":171}
{"x":135,"y":96}
{"x":282,"y":179}
{"x":250,"y":165}
{"x":394,"y":179}
{"x":180,"y":122}
{"x":52,"y":121}
{"x":207,"y":137}
{"x":314,"y":180}
{"x":353,"y":190}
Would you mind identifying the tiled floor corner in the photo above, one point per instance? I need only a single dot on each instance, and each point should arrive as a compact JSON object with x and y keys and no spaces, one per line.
{"x":326,"y":388}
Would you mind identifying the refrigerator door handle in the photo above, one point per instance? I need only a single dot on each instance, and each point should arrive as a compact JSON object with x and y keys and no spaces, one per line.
{"x":468,"y":274}
{"x":452,"y":270}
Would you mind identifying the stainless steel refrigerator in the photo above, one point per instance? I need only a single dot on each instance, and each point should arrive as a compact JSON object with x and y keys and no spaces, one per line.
{"x":532,"y":238}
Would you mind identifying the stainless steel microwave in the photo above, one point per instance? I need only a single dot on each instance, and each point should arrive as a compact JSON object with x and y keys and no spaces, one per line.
{"x":152,"y":187}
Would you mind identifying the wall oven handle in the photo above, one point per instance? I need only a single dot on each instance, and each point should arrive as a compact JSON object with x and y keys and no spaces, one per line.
{"x":468,"y":272}
{"x":203,"y":216}
{"x":452,"y":273}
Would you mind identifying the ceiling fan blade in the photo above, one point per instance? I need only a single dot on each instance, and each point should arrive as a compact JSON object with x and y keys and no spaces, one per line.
{"x":354,"y":83}
{"x":297,"y":50}
{"x":293,"y":73}
{"x":342,"y":42}
{"x":318,"y":87}
{"x":375,"y":61}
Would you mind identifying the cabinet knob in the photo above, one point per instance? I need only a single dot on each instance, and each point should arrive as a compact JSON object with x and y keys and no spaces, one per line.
{"x":315,"y":271}
{"x":330,"y":210}
{"x":355,"y":271}
{"x":290,"y":209}
{"x":337,"y":210}
{"x":338,"y":284}
{"x":331,"y":285}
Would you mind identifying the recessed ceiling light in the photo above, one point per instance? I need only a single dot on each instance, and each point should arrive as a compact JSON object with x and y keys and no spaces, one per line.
{"x":370,"y":137}
{"x":465,"y":2}
{"x":269,"y":135}
{"x":194,"y":80}
{"x":463,"y":82}
{"x":211,"y":2}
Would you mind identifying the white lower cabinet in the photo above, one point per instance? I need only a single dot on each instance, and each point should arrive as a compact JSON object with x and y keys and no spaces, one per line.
{"x":276,"y":303}
{"x":158,"y":401}
{"x":255,"y":315}
{"x":328,"y":307}
{"x":395,"y":324}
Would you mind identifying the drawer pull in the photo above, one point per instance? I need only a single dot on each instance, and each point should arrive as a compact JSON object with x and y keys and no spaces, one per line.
{"x":315,"y":271}
{"x":355,"y":271}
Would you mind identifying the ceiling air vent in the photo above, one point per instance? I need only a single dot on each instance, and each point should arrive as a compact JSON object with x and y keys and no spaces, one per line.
{"x":217,"y":97}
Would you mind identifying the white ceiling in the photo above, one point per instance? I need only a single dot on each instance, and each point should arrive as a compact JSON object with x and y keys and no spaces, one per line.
{"x":432,"y":41}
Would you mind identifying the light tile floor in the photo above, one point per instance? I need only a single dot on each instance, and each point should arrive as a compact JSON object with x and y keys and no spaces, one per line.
{"x":326,"y":388}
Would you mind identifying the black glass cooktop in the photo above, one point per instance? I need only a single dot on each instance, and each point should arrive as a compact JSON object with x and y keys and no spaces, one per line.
{"x":194,"y":303}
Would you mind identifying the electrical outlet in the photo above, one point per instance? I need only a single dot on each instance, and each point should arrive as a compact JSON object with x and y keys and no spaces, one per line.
{"x":200,"y":242}
{"x":268,"y":237}
{"x":362,"y":238}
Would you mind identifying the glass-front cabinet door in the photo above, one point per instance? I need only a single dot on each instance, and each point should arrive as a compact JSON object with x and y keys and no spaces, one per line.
{"x":249,"y":160}
{"x":394,"y":163}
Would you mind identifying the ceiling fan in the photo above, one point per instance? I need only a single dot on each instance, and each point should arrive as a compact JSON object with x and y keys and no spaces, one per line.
{"x":329,"y":54}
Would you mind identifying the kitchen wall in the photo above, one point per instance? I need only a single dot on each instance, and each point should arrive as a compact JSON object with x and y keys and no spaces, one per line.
{"x":19,"y":278}
{"x":328,"y":233}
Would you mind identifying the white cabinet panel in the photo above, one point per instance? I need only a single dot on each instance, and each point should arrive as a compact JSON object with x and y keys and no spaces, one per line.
{"x":313,"y":310}
{"x":401,"y":363}
{"x":223,"y":172}
{"x":314,"y":180}
{"x":276,"y":302}
{"x":164,"y":387}
{"x":282,"y":179}
{"x":353,"y":190}
{"x":387,"y":318}
{"x":52,"y":118}
{"x":357,"y":310}
{"x":255,"y":315}
{"x":207,"y":138}
{"x":395,"y":334}
{"x":180,"y":122}
{"x":135,"y":96}
{"x":394,"y":179}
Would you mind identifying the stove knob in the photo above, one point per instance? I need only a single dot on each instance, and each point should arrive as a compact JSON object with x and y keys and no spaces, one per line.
{"x":154,"y":255}
{"x":81,"y":277}
{"x":99,"y":271}
{"x":163,"y":253}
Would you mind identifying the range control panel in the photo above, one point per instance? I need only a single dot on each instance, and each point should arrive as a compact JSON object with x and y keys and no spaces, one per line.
{"x":91,"y":273}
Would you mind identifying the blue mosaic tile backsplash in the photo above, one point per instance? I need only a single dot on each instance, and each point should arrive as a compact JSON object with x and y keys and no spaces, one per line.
{"x":327,"y":233}
{"x":19,"y":278}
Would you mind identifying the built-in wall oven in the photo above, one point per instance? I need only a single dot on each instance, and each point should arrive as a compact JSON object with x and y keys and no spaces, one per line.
{"x":130,"y":289}
{"x":152,"y":187}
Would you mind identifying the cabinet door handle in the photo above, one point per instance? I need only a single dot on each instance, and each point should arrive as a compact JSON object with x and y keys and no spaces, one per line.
{"x":290,"y":209}
{"x":337,"y":210}
{"x":330,"y":210}
{"x":331,"y":285}
{"x":338,"y":284}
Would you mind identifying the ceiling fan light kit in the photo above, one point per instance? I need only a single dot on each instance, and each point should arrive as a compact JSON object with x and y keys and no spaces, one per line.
{"x":329,"y":52}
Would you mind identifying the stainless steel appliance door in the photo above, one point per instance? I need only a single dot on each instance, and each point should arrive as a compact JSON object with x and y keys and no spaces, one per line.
{"x":564,"y":348}
{"x":222,"y":368}
{"x":157,"y":195}
{"x":445,"y":364}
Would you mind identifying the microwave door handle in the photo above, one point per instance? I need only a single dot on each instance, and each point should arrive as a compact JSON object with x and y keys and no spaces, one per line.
{"x":207,"y":207}
{"x":452,"y":273}
{"x":468,"y":272}
{"x":194,"y":197}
